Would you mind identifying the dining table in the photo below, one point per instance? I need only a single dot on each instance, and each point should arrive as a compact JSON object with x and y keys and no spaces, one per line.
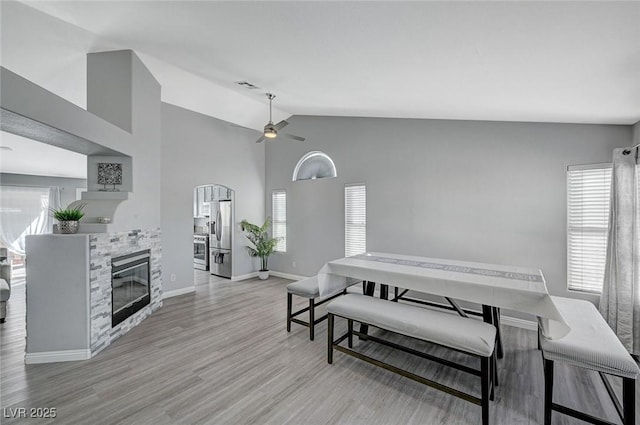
{"x":520,"y":289}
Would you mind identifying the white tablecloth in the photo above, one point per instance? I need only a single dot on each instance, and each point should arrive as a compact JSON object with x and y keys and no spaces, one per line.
{"x":515,"y":288}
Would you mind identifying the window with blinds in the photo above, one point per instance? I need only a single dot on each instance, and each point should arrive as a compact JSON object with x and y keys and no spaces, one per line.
{"x":588,"y":189}
{"x":355,"y":219}
{"x":279,"y":218}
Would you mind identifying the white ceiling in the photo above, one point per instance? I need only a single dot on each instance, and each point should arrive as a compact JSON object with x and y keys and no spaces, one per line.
{"x":513,"y":61}
{"x":39,"y":159}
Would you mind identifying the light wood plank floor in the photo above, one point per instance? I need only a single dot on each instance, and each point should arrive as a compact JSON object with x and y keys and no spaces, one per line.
{"x":223,"y":356}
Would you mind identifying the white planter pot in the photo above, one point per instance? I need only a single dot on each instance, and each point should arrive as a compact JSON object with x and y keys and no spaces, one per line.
{"x":263,"y":275}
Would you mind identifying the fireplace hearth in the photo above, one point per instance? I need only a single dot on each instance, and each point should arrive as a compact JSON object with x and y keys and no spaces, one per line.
{"x":130,"y":285}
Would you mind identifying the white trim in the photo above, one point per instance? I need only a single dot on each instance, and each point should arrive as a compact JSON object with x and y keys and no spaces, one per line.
{"x":519,"y":323}
{"x":244,"y":276}
{"x":176,"y":292}
{"x":288,"y":275}
{"x":57,"y":356}
{"x":309,"y":155}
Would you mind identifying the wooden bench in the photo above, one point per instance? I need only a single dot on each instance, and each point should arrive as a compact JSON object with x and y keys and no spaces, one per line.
{"x":306,"y":288}
{"x":465,"y":335}
{"x":591,"y":344}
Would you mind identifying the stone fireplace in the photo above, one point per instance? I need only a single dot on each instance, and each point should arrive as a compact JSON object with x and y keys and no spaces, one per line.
{"x":124,"y":265}
{"x":86,"y":290}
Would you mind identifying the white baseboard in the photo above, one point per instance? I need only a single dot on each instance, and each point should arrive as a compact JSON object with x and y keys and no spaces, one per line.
{"x":176,"y":292}
{"x":244,"y":276}
{"x":287,"y":275}
{"x":519,"y":323}
{"x":57,"y":356}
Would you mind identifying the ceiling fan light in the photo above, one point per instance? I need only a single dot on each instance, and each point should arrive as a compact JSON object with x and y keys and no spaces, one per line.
{"x":270,"y":132}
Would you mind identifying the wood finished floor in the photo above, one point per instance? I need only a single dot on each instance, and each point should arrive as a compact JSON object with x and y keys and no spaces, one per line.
{"x":223,"y":356}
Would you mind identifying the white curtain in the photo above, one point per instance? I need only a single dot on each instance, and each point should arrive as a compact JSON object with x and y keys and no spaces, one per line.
{"x":620,"y":300}
{"x":25,"y":211}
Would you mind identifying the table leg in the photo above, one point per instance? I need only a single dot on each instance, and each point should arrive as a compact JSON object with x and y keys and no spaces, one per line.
{"x":456,"y":306}
{"x":496,"y":322}
{"x":384,"y":291}
{"x":369,"y":288}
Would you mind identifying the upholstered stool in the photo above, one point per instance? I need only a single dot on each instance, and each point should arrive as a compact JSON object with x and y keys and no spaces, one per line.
{"x":306,"y":288}
{"x":5,"y":293}
{"x":591,"y":344}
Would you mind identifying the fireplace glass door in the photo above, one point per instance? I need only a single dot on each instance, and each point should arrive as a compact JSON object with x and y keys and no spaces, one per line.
{"x":130,"y":284}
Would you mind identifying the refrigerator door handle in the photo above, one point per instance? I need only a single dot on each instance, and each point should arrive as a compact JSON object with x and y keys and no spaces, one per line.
{"x":218,"y":223}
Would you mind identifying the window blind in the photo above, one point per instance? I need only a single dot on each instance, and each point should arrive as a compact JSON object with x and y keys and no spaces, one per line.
{"x":355,"y":219}
{"x":588,"y":190}
{"x":279,"y":218}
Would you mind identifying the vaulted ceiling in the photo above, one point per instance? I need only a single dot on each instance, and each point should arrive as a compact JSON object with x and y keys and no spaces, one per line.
{"x":513,"y":61}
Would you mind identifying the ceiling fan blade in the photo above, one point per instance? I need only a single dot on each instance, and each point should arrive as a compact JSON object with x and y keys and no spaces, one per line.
{"x":291,"y":136}
{"x":282,"y":124}
{"x":261,"y":139}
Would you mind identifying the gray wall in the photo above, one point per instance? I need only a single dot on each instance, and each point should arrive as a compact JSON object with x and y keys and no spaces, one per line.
{"x":480,"y":191}
{"x":198,"y":149}
{"x":636,"y":133}
{"x":108,"y":73}
{"x":57,"y":292}
{"x":67,"y":186}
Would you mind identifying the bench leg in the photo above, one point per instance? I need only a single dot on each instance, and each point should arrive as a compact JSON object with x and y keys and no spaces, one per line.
{"x":629,"y":400}
{"x":330,"y":338}
{"x":495,"y":369}
{"x":492,"y":375}
{"x":289,"y":305}
{"x":548,"y":390}
{"x":350,"y":329}
{"x":484,"y":379}
{"x":488,"y":316}
{"x":312,"y":318}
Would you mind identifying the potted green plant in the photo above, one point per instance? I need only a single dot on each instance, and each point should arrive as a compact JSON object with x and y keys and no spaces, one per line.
{"x":263,"y":244}
{"x":68,"y":218}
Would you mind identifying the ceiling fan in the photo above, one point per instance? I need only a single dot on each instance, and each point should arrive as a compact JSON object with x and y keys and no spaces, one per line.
{"x":271,"y":129}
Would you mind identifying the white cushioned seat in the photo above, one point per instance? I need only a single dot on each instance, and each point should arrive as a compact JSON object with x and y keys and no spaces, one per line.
{"x":5,"y":293}
{"x":5,"y":290}
{"x":591,"y":343}
{"x":469,"y":335}
{"x":307,"y":288}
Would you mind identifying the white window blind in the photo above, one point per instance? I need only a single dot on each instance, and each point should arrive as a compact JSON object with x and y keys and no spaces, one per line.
{"x":588,"y":189}
{"x":279,"y":214}
{"x":355,"y":219}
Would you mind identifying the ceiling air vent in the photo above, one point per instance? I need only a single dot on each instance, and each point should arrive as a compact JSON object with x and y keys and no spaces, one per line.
{"x":247,"y":85}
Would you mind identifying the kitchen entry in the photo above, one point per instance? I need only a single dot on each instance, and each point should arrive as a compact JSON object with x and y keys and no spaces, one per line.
{"x":213,"y":224}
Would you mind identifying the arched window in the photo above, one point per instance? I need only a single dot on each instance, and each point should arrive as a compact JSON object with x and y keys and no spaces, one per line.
{"x":314,"y":165}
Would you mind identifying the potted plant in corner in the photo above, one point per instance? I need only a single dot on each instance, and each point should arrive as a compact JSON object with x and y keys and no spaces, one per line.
{"x":263,"y":244}
{"x":68,"y":218}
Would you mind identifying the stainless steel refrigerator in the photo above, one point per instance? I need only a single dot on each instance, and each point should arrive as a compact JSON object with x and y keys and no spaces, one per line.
{"x":220,"y":239}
